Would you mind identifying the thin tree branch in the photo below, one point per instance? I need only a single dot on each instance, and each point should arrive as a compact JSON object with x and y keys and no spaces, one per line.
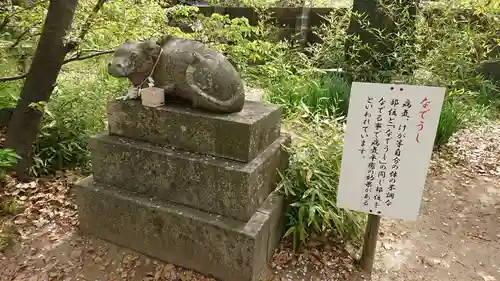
{"x":7,"y":19}
{"x":86,"y":25}
{"x":76,"y":58}
{"x":88,"y":22}
{"x":20,"y":37}
{"x":29,"y":7}
{"x":71,"y":45}
{"x":4,"y":23}
{"x":81,"y":52}
{"x":12,"y":78}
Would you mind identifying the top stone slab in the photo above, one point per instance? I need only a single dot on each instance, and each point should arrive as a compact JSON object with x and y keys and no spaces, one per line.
{"x":239,"y":136}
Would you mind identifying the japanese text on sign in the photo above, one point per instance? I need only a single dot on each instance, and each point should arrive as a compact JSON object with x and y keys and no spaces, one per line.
{"x":387,"y":147}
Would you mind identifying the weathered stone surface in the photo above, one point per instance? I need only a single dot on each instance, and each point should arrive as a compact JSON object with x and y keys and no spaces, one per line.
{"x":274,"y":208}
{"x":226,"y":187}
{"x":223,"y":248}
{"x":240,"y":136}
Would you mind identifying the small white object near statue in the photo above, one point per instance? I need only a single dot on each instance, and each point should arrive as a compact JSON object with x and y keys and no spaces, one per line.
{"x":152,"y":97}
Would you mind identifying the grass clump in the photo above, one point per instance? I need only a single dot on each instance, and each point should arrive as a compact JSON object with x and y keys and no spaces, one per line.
{"x":321,"y":93}
{"x":8,"y":208}
{"x":6,"y":240}
{"x":311,"y":181}
{"x":8,"y":157}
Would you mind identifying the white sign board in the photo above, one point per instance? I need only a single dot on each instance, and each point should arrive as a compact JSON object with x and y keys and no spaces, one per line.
{"x":387,"y":148}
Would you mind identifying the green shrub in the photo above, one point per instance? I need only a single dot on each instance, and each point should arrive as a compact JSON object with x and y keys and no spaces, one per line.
{"x":77,"y":109}
{"x":242,"y":43}
{"x":8,"y":157}
{"x":310,"y":184}
{"x":460,"y":108}
{"x":327,"y":94}
{"x":450,"y":121}
{"x":440,"y":52}
{"x":119,"y":20}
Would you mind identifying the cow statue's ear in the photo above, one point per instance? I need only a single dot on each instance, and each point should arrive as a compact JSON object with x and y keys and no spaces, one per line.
{"x":151,"y":48}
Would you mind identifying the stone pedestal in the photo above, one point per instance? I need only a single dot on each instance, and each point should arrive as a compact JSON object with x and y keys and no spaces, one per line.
{"x":187,"y":187}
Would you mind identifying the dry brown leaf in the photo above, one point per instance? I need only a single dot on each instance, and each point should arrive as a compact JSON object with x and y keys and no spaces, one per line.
{"x":169,"y":272}
{"x":186,"y":276}
{"x":158,"y":273}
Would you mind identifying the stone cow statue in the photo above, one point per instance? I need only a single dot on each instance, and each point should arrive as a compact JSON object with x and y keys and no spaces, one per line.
{"x":184,"y":68}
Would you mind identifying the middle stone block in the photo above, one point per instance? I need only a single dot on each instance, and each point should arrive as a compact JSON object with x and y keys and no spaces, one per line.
{"x":221,"y":186}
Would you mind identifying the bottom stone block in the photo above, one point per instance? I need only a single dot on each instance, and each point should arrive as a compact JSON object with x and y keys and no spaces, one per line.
{"x":213,"y":245}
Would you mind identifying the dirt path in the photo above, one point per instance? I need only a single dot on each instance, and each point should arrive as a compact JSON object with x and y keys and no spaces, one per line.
{"x":457,"y":236}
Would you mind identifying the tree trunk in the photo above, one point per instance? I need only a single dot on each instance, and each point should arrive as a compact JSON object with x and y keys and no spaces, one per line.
{"x":51,"y":51}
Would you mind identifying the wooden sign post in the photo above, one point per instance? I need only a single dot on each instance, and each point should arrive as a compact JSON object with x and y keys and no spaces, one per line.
{"x":387,"y":147}
{"x":370,"y":243}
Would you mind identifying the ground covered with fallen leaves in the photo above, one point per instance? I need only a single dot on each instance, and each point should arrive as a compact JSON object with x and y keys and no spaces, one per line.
{"x":44,"y":244}
{"x":456,"y":237}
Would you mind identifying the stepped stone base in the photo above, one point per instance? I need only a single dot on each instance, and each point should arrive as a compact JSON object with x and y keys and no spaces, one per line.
{"x":226,"y":249}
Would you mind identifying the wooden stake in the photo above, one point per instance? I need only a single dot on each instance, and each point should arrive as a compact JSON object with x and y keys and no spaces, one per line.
{"x":370,"y":243}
